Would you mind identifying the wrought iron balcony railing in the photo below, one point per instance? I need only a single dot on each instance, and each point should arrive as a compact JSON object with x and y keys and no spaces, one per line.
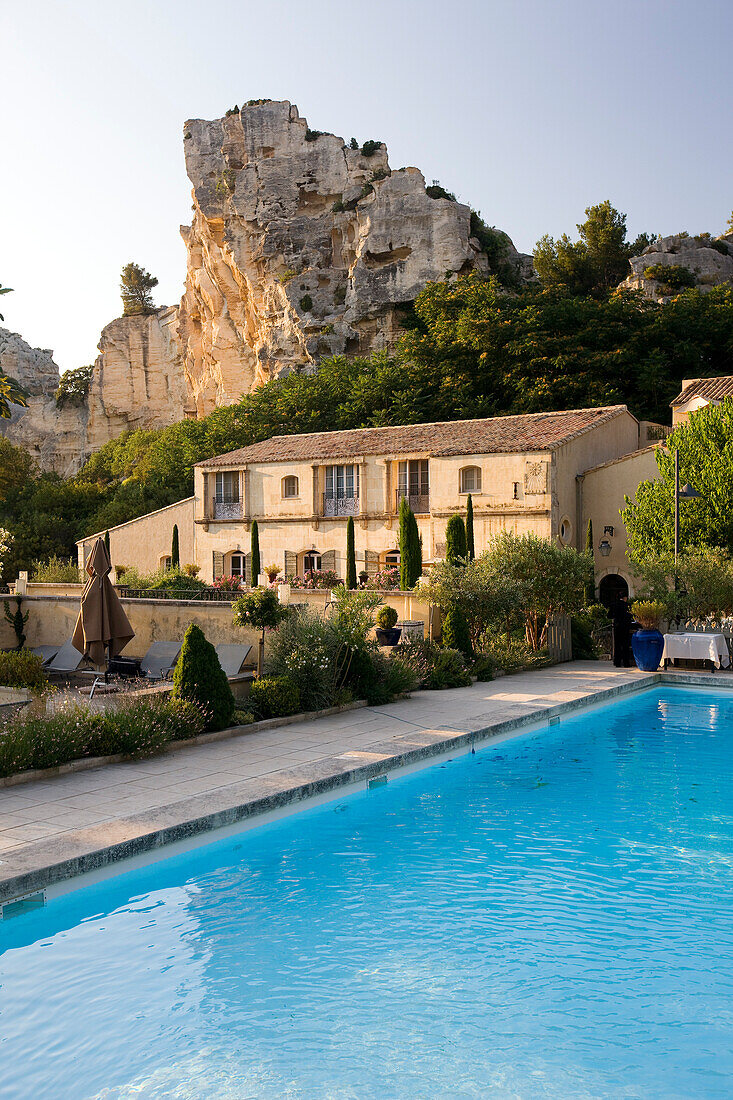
{"x":419,"y":502}
{"x":340,"y":506}
{"x":227,"y":509}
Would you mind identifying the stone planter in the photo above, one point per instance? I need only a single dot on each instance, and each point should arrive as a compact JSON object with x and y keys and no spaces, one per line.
{"x":647,"y":646}
{"x":389,"y":637}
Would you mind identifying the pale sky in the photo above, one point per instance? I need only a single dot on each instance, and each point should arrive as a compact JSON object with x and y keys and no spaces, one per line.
{"x":530,"y":110}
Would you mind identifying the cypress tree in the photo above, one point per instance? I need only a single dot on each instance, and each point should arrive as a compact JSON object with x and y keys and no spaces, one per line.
{"x":455,"y":633}
{"x":590,"y":588}
{"x":200,"y":679}
{"x":350,"y":554}
{"x":106,"y":544}
{"x":255,"y":556}
{"x":410,"y":550}
{"x":470,"y":545}
{"x":175,"y":552}
{"x":455,"y":541}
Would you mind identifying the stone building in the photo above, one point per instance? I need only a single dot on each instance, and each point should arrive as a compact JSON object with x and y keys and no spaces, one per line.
{"x":544,"y":472}
{"x":696,"y":393}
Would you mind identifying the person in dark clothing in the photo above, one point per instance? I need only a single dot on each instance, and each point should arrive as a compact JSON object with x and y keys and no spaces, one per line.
{"x":622,"y":624}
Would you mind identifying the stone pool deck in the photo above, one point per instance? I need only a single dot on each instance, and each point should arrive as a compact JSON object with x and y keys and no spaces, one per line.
{"x":54,"y":829}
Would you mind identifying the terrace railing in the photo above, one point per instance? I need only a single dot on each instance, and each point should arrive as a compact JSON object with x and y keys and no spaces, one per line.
{"x":211,"y":595}
{"x":419,"y":502}
{"x":227,"y":509}
{"x":340,"y":506}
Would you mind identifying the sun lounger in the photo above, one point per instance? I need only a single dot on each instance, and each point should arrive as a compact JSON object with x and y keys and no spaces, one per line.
{"x":160,"y":660}
{"x":67,"y":660}
{"x":45,"y":652}
{"x":232,"y":657}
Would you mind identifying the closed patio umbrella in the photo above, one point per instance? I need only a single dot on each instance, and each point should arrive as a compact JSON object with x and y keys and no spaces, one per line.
{"x":102,"y":624}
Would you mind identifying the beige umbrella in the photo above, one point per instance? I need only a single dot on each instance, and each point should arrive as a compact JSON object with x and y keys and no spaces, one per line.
{"x":102,"y":623}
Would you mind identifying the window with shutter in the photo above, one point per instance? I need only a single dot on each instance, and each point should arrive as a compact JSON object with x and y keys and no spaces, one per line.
{"x":218,"y":565}
{"x":291,"y":563}
{"x":328,"y":560}
{"x":372,"y":562}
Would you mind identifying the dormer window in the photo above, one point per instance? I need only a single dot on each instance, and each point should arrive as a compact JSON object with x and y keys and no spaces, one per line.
{"x":290,"y":487}
{"x":470,"y":479}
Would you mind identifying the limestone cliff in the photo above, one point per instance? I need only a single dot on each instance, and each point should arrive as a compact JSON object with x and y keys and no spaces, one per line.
{"x":708,"y":260}
{"x":302,"y":246}
{"x":54,"y":436}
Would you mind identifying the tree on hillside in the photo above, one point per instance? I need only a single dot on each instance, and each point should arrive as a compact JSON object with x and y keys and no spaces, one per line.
{"x":10,"y":394}
{"x":598,"y":261}
{"x":135,"y":286}
{"x":705,"y":445}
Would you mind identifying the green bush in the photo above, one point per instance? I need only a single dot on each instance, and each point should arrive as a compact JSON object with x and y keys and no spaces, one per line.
{"x":61,"y":570}
{"x":434,"y":666}
{"x":306,"y":303}
{"x":455,"y":633}
{"x":671,"y":276}
{"x":199,"y":678}
{"x":305,"y":649}
{"x":516,"y":656}
{"x":139,"y":728}
{"x":313,"y":135}
{"x":386,"y":618}
{"x":435,"y":191}
{"x":484,"y":667}
{"x":23,"y":669}
{"x":172,"y":581}
{"x":369,"y":148}
{"x":274,"y":697}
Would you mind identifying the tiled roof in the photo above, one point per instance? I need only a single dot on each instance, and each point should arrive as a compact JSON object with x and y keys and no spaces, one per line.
{"x":713,"y":389}
{"x":499,"y":434}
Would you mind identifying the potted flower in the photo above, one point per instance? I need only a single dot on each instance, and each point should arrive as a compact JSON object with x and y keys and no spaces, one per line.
{"x":272,"y":571}
{"x":648,"y":642}
{"x":387,"y":632}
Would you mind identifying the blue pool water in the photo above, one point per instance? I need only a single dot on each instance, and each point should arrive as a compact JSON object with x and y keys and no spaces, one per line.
{"x":552,"y":917}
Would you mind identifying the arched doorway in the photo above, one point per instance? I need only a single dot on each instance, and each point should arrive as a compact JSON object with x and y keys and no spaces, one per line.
{"x":611,"y":588}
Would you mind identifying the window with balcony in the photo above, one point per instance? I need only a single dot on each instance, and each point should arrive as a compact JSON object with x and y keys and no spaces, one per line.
{"x":470,"y":479}
{"x":290,"y":487}
{"x":227,"y":503}
{"x":342,"y":491}
{"x":413,"y":484}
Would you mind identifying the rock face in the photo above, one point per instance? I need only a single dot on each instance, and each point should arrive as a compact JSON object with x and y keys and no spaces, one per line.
{"x":54,"y":436}
{"x":301,"y":247}
{"x":708,"y":259}
{"x":138,"y":379}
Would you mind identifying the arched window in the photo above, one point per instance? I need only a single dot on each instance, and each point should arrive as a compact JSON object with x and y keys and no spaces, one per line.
{"x":290,"y":486}
{"x":471,"y":479}
{"x":566,"y":530}
{"x":392,"y":558}
{"x":238,"y":566}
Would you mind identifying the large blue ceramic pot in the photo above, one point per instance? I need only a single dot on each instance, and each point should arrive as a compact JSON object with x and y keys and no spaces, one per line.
{"x":647,"y":646}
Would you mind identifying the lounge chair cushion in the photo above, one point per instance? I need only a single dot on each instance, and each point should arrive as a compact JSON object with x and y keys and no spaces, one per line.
{"x":232,"y":657}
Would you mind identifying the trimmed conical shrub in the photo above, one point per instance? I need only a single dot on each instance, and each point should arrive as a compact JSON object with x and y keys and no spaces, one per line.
{"x":350,"y":554}
{"x":199,"y":678}
{"x":455,"y":633}
{"x":410,"y":548}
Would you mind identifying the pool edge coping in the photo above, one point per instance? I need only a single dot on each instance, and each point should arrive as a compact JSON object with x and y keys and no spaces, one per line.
{"x":185,"y":819}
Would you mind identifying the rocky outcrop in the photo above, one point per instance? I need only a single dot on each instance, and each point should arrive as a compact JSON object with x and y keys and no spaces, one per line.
{"x":302,"y":246}
{"x":55,"y":437}
{"x":708,"y":260}
{"x":138,"y":379}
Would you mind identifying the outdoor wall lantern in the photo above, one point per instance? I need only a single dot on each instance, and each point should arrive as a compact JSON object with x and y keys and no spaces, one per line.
{"x":608,"y":530}
{"x":605,"y":547}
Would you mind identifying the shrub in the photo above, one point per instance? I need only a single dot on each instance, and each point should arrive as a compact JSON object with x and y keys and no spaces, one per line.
{"x":74,"y":386}
{"x":455,"y":633}
{"x":380,"y":174}
{"x":305,"y":650}
{"x":353,"y":144}
{"x":369,"y":148}
{"x":262,"y":610}
{"x":285,"y":276}
{"x":435,"y":191}
{"x":175,"y":581}
{"x":274,"y":697}
{"x":317,"y":578}
{"x":514,"y":656}
{"x":484,"y":667}
{"x":313,"y":135}
{"x":455,"y":541}
{"x":190,"y":569}
{"x":232,"y":111}
{"x":200,"y":679}
{"x":60,"y":570}
{"x":273,"y":572}
{"x":306,"y":303}
{"x":648,"y":613}
{"x":228,"y":584}
{"x":434,"y":667}
{"x":671,"y":276}
{"x":386,"y":618}
{"x":338,"y":207}
{"x":384,"y":579}
{"x":401,"y":678}
{"x":23,"y":669}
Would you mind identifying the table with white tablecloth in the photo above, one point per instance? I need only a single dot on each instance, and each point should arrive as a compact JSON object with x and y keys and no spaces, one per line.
{"x":697,"y":647}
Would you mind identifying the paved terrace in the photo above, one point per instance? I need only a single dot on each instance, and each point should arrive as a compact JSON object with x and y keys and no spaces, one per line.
{"x":55,"y":828}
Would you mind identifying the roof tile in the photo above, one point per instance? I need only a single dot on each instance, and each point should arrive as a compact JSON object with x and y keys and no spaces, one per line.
{"x":714,"y":389}
{"x":499,"y":434}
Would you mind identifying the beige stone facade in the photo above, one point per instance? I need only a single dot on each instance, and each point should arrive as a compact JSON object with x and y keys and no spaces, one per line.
{"x":541,"y":473}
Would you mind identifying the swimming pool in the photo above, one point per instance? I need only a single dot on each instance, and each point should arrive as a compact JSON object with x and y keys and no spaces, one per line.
{"x":550,"y":917}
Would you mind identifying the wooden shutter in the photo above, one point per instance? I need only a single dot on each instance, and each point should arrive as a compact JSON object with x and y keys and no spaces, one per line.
{"x":328,"y":560}
{"x":248,"y":569}
{"x":218,"y":565}
{"x":291,"y":564}
{"x":372,"y":562}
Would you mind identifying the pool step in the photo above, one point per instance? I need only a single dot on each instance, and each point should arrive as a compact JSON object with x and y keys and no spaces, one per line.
{"x":25,"y":904}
